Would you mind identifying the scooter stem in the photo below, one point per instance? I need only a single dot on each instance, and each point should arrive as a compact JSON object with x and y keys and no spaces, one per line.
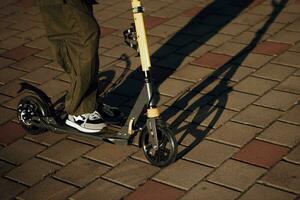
{"x":138,"y":10}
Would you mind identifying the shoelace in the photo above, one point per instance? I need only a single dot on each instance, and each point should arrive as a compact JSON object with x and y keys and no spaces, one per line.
{"x":94,"y":116}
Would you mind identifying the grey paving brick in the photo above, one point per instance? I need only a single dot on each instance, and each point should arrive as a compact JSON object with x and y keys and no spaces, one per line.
{"x":284,"y":175}
{"x":210,"y":153}
{"x":274,"y":72}
{"x":20,"y":151}
{"x":269,"y":193}
{"x":32,"y":171}
{"x":234,"y":134}
{"x":131,"y":173}
{"x":101,"y":189}
{"x":49,"y":188}
{"x":111,"y":154}
{"x":236,"y":175}
{"x":64,"y":152}
{"x":257,"y":116}
{"x":10,"y":189}
{"x":184,"y":179}
{"x":210,"y":191}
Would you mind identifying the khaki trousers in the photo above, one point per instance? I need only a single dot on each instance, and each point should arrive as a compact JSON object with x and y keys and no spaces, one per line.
{"x":74,"y":35}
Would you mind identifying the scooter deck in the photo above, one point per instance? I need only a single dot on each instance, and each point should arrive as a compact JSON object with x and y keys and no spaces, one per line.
{"x":110,"y":134}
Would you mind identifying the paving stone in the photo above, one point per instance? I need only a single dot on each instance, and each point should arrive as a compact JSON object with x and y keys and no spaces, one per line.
{"x":191,"y":101}
{"x":236,"y":100}
{"x":278,"y":100}
{"x":131,"y":173}
{"x":257,"y":116}
{"x":234,"y":29}
{"x":261,"y":153}
{"x":64,"y":152}
{"x":117,"y":51}
{"x":81,"y":172}
{"x":32,"y":33}
{"x":191,"y":12}
{"x":19,"y":53}
{"x":210,"y":153}
{"x":212,"y":60}
{"x":272,"y":28}
{"x":292,"y":116}
{"x":230,"y":48}
{"x":8,"y":74}
{"x":234,"y":134}
{"x":291,"y":84}
{"x":7,"y":114}
{"x":295,"y":48}
{"x":210,"y":116}
{"x":6,"y":33}
{"x":48,"y":138}
{"x":20,"y":151}
{"x":10,"y":189}
{"x":85,"y":140}
{"x":215,"y":20}
{"x":195,"y":49}
{"x":5,"y":167}
{"x":285,"y":36}
{"x":154,"y":190}
{"x":288,"y":58}
{"x":235,"y":73}
{"x":269,"y":193}
{"x":214,"y":39}
{"x":253,"y":60}
{"x":253,"y":85}
{"x":236,"y":175}
{"x":274,"y":72}
{"x":284,"y":175}
{"x":4,"y":99}
{"x":12,"y":42}
{"x":152,"y":21}
{"x":274,"y":134}
{"x":206,"y":190}
{"x":187,"y":173}
{"x":48,"y":189}
{"x":38,"y":76}
{"x":294,"y":155}
{"x":249,"y":37}
{"x":111,"y":154}
{"x":101,"y":189}
{"x":286,"y":18}
{"x":180,"y":39}
{"x":167,"y":87}
{"x":248,"y":19}
{"x":14,"y":102}
{"x":191,"y":73}
{"x":271,"y":48}
{"x":4,"y":62}
{"x":179,"y":21}
{"x":174,"y":61}
{"x":167,"y":12}
{"x":30,"y":63}
{"x":32,"y":171}
{"x":10,"y":132}
{"x":163,"y":30}
{"x":54,"y":87}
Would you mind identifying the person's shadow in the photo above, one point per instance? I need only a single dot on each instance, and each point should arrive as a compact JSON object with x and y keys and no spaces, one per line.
{"x":218,"y":96}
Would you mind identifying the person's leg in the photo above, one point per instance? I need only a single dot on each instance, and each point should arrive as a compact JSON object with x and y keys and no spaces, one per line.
{"x":74,"y":34}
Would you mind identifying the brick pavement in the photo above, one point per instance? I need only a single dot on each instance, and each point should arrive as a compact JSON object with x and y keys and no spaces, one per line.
{"x":229,"y":77}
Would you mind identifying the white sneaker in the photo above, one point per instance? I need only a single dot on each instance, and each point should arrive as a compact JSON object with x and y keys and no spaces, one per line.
{"x":88,"y":123}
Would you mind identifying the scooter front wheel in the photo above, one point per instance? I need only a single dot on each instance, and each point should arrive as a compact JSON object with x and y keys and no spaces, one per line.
{"x":166,"y":151}
{"x":29,"y":109}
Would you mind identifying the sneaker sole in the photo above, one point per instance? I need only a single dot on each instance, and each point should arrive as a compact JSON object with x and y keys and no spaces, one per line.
{"x":76,"y":126}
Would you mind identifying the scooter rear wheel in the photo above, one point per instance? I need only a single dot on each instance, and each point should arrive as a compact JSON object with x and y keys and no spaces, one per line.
{"x":31,"y":107}
{"x":166,"y":152}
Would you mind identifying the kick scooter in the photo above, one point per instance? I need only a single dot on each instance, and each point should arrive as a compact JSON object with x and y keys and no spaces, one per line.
{"x":36,"y":113}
